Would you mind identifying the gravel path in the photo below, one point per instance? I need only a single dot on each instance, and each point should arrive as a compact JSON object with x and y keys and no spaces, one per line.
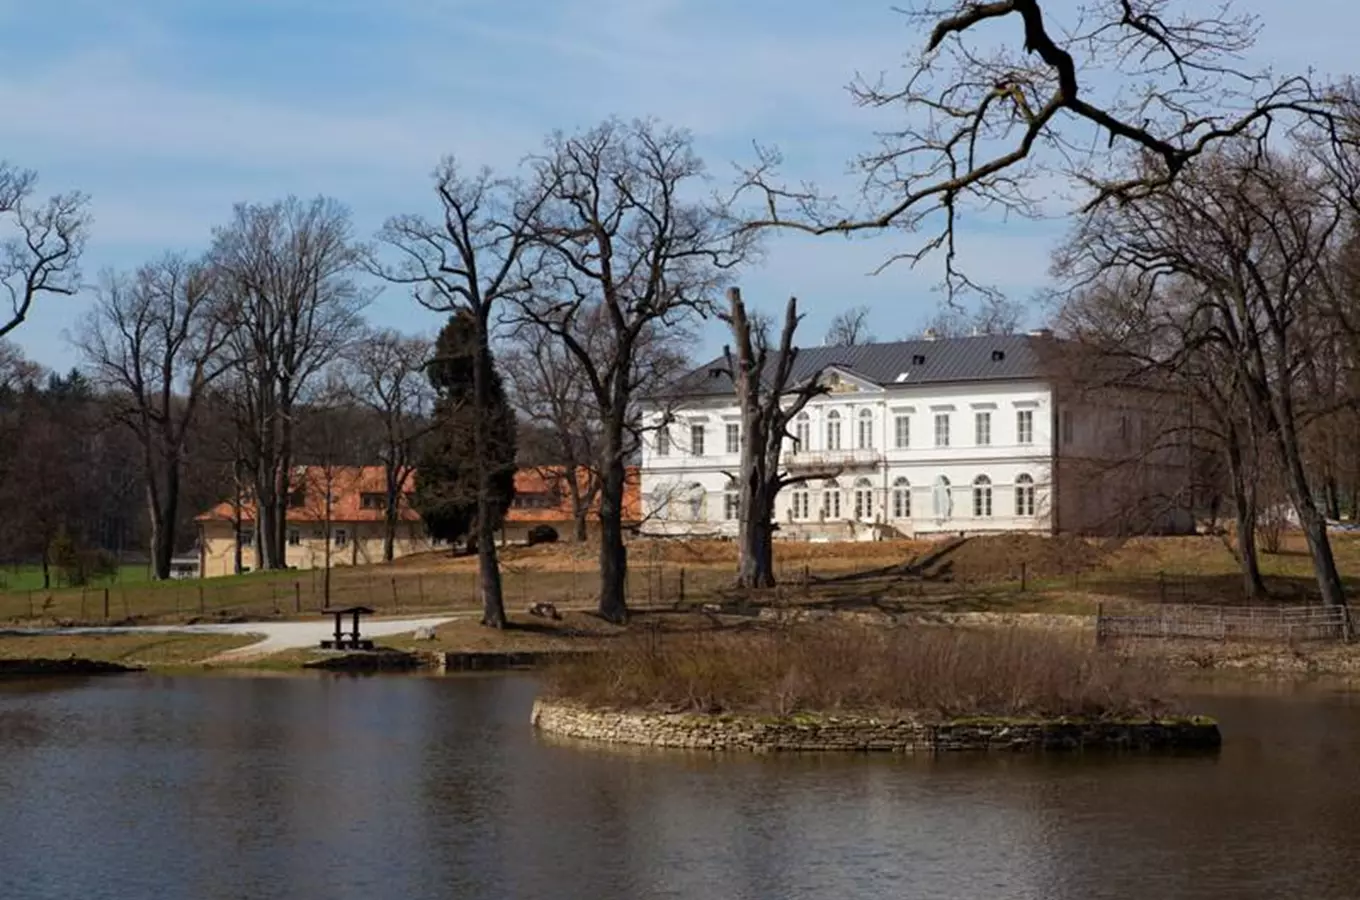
{"x":274,"y":636}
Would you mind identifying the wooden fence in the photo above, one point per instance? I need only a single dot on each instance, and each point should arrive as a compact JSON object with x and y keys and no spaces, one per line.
{"x":1230,"y":623}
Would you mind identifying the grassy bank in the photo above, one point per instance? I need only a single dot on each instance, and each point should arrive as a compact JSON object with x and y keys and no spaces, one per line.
{"x":942,"y":672}
{"x":150,"y":650}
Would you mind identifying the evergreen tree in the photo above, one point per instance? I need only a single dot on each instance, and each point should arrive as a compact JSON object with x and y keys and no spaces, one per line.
{"x":446,"y":477}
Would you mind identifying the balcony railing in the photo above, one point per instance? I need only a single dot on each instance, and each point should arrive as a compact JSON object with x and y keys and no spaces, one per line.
{"x":832,"y":460}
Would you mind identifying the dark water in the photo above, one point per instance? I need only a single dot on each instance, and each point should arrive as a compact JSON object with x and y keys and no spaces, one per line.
{"x":198,"y":787}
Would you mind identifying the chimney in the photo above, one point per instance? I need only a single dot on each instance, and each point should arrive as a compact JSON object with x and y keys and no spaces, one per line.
{"x":930,"y":334}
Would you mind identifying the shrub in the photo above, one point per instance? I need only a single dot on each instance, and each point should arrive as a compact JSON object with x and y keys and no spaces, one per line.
{"x":542,"y":534}
{"x":931,"y":671}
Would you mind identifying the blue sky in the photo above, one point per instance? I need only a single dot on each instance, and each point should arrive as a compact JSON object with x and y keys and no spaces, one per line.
{"x":168,"y":111}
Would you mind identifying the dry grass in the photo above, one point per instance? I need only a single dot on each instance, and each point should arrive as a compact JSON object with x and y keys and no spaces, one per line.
{"x":983,"y":574}
{"x":158,"y":650}
{"x":935,"y":672}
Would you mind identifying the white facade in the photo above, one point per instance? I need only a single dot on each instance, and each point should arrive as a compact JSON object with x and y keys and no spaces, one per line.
{"x":894,"y":460}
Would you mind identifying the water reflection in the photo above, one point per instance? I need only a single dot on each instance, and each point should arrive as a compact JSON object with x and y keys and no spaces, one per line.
{"x":339,"y":787}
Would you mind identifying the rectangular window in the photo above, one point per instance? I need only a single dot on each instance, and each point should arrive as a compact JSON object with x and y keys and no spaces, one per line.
{"x":802,"y":435}
{"x":373,"y":501}
{"x":294,"y":537}
{"x":982,"y":428}
{"x":800,"y":504}
{"x":341,"y":537}
{"x":831,"y":503}
{"x":1024,"y":426}
{"x":942,"y":429}
{"x":733,"y":438}
{"x":663,"y":442}
{"x":731,"y":505}
{"x":696,"y":440}
{"x":866,"y":432}
{"x":902,"y":432}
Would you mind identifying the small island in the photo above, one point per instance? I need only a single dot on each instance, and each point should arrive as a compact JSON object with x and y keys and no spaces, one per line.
{"x":854,"y":688}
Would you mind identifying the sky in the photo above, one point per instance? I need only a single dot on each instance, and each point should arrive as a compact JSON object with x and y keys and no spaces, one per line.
{"x":167,"y":112}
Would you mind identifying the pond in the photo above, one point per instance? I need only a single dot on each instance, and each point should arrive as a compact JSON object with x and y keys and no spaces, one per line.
{"x":337,"y":787}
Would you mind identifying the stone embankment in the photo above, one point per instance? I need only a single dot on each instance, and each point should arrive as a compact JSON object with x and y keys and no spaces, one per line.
{"x":866,"y":733}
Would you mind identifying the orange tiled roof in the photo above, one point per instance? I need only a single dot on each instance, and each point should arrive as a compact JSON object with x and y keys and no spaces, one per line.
{"x":350,"y":483}
{"x":546,"y":484}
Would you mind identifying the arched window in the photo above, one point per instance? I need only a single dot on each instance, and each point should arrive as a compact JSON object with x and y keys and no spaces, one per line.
{"x":942,"y":499}
{"x":864,"y":499}
{"x":982,"y":497}
{"x":802,"y":433}
{"x":831,"y":499}
{"x":866,"y":429}
{"x":802,"y":506}
{"x":1024,"y":495}
{"x":833,"y":430}
{"x":901,"y":499}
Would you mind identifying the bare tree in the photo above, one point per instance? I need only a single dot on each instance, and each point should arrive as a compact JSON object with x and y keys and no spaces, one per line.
{"x":286,"y":271}
{"x":995,"y":314}
{"x":549,"y":388}
{"x":154,"y":342}
{"x":386,"y":373}
{"x":768,"y":401}
{"x":849,"y":327}
{"x":476,"y":257}
{"x":990,"y":126}
{"x":1131,"y":337}
{"x":1245,"y":238}
{"x":632,"y":258}
{"x":40,"y":243}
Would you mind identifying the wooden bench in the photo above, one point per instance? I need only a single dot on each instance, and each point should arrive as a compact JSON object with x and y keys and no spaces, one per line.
{"x":342,"y":639}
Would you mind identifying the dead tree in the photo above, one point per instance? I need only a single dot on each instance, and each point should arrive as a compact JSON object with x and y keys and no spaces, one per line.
{"x":286,"y":272}
{"x":43,"y":251}
{"x":385,"y":372}
{"x":628,"y":254}
{"x":154,"y":342}
{"x":476,"y":257}
{"x":768,"y":402}
{"x":989,"y":126}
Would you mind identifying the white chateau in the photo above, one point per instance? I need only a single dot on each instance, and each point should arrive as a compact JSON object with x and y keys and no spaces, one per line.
{"x":922,"y":437}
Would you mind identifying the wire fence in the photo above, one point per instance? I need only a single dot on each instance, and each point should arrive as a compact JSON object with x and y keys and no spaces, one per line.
{"x":389,"y":591}
{"x":1230,"y":623}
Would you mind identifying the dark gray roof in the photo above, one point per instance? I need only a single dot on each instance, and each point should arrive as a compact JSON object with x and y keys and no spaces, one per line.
{"x":1005,"y":357}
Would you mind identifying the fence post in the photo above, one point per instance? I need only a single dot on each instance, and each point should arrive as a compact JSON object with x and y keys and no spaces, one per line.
{"x":1100,"y":623}
{"x":297,"y":596}
{"x":1023,"y":576}
{"x":682,"y":586}
{"x":807,"y":577}
{"x":106,"y":604}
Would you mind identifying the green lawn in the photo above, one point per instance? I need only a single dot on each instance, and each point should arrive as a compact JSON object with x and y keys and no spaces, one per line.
{"x":30,"y":578}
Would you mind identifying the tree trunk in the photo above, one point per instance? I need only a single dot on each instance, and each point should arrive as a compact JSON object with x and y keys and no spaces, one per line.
{"x":1310,"y":517}
{"x":613,"y":551}
{"x":46,"y":568}
{"x":488,"y":566}
{"x":1333,"y":496}
{"x":390,"y":533}
{"x":755,"y":560}
{"x":1244,"y":504}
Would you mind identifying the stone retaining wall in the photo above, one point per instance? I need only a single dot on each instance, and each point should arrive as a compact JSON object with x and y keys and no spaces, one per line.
{"x":864,"y":733}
